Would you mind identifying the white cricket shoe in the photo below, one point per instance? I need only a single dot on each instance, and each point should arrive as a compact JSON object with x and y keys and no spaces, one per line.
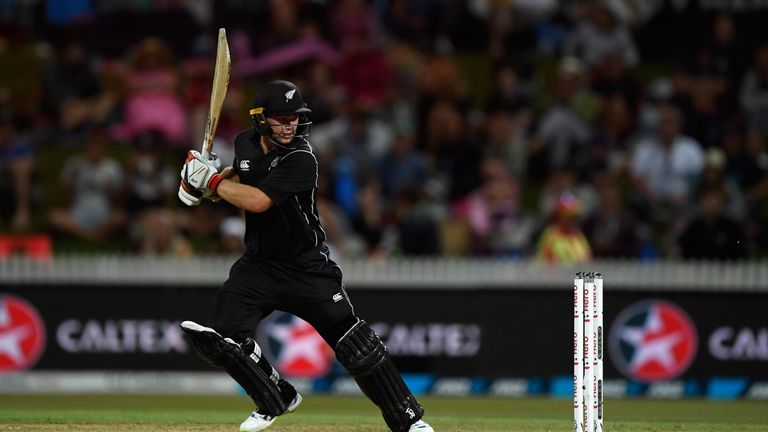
{"x":256,"y":422}
{"x":421,"y":426}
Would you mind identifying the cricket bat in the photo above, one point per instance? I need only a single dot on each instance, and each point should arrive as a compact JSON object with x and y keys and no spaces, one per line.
{"x":218,"y":91}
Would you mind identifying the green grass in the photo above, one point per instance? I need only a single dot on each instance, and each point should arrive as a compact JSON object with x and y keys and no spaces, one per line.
{"x":97,"y":413}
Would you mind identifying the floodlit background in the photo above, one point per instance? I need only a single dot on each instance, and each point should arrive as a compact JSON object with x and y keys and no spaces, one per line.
{"x":473,"y":156}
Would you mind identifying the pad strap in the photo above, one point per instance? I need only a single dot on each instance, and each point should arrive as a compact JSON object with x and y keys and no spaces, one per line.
{"x":366,"y":358}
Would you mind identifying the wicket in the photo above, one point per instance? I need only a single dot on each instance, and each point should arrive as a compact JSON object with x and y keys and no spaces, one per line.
{"x":588,"y":352}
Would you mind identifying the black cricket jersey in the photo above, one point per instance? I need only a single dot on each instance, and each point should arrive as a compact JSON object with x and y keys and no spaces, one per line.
{"x":291,"y":226}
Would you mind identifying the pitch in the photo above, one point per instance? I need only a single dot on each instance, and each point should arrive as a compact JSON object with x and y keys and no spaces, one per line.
{"x":98,"y":413}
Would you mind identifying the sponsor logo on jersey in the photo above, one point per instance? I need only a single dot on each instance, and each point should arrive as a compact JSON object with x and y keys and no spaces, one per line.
{"x":245,"y":165}
{"x":653,"y":340}
{"x":22,"y":334}
{"x":294,"y":347}
{"x":337,"y":297}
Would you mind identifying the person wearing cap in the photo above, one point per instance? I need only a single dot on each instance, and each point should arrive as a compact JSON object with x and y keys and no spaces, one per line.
{"x":286,"y":266}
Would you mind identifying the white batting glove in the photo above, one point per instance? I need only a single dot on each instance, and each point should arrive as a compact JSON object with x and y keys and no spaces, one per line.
{"x":199,"y":174}
{"x":191,"y":198}
{"x":213,"y":160}
{"x":199,"y":177}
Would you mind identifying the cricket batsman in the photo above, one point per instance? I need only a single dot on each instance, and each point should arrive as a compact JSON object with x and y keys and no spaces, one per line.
{"x":286,"y":267}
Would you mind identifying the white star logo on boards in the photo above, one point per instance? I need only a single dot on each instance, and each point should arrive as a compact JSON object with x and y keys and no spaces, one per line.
{"x":21,"y":334}
{"x":657,"y":349}
{"x":10,"y":343}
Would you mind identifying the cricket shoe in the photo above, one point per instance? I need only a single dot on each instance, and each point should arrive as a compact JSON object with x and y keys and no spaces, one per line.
{"x":420,"y":426}
{"x":256,"y":421}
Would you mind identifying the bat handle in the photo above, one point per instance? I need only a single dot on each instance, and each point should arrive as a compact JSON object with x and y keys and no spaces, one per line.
{"x":206,"y":150}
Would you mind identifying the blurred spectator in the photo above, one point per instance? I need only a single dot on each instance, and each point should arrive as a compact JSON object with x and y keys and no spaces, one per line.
{"x":566,"y":181}
{"x":403,"y":165}
{"x":700,"y":93}
{"x":754,"y":183}
{"x":17,"y":164}
{"x":506,"y":140}
{"x":353,"y":142}
{"x":719,"y":60}
{"x":725,"y":50}
{"x":612,"y":133}
{"x":713,"y":178}
{"x":93,"y":182}
{"x":497,"y":222}
{"x":231,"y":235}
{"x":600,"y":32}
{"x":351,"y":19}
{"x":72,"y":92}
{"x":320,"y":93}
{"x":452,"y":155}
{"x":371,"y":221}
{"x":611,"y":79}
{"x":666,"y":167}
{"x":150,"y":181}
{"x":747,"y":163}
{"x":612,"y":231}
{"x":562,"y":241}
{"x":754,"y":92}
{"x":562,"y":133}
{"x":712,"y":234}
{"x":507,"y":93}
{"x":341,"y":237}
{"x":157,"y":233}
{"x":281,"y":25}
{"x":364,"y":72}
{"x":418,"y":231}
{"x":440,"y":81}
{"x":152,"y":102}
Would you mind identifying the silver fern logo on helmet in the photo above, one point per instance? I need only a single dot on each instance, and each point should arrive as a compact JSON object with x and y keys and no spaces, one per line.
{"x":289,"y":94}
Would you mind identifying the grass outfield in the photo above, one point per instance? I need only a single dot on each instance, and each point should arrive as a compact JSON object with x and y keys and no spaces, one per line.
{"x":98,"y":413}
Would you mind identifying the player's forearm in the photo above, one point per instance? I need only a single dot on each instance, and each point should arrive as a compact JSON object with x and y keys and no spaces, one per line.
{"x":246,"y":197}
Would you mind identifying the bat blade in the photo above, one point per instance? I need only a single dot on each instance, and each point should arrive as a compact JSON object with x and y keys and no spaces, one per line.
{"x":218,"y":91}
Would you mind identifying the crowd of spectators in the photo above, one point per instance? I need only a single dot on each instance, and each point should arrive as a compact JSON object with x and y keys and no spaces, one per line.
{"x":514,"y":129}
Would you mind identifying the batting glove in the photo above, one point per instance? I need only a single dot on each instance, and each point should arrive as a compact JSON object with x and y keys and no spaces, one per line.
{"x":189,"y":198}
{"x":199,"y":178}
{"x":213,"y":160}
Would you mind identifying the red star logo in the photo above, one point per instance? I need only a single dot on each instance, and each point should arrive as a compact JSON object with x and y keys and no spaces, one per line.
{"x":304,"y":352}
{"x":22,"y":334}
{"x":662,"y":346}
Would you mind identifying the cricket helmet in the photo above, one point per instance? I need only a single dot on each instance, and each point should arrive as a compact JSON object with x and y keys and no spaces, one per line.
{"x":280,"y":98}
